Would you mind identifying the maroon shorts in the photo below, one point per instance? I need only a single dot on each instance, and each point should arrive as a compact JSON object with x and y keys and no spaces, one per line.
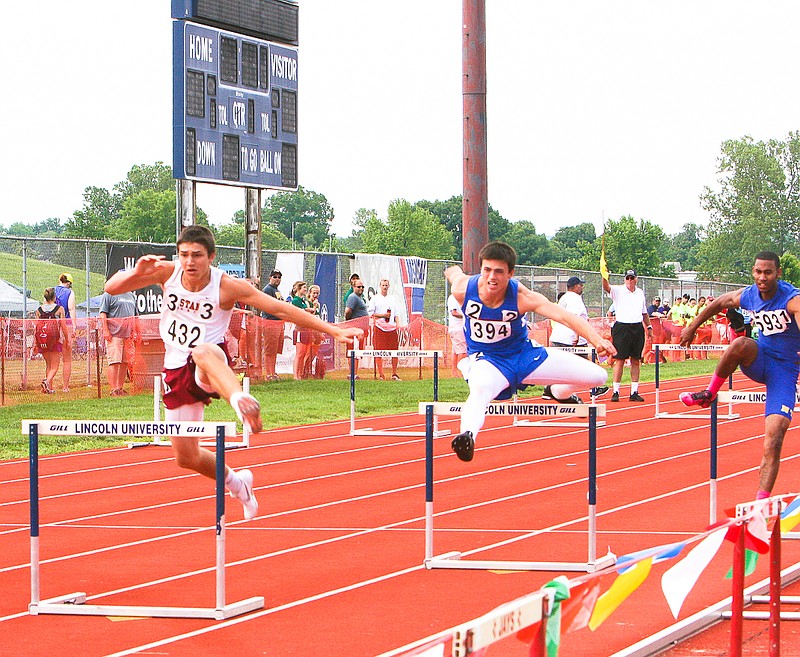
{"x":181,"y":387}
{"x":385,"y":339}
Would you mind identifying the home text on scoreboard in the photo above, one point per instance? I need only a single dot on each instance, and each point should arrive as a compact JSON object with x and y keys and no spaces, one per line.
{"x":234,"y":108}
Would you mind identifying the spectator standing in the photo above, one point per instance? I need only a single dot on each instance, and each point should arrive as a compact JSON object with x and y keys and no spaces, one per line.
{"x":356,"y":308}
{"x":195,"y":313}
{"x":117,"y":316}
{"x":383,"y":309}
{"x":628,"y":332}
{"x":49,"y":335}
{"x":455,"y":327}
{"x":774,"y":306}
{"x":302,"y":337}
{"x":273,"y":329}
{"x":316,"y":370}
{"x":65,"y":297}
{"x":564,"y":336}
{"x":353,"y":279}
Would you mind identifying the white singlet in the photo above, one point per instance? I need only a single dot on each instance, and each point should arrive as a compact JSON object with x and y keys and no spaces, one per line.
{"x":190,"y":318}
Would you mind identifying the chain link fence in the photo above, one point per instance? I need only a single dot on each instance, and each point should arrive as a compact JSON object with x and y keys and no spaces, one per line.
{"x":33,"y":264}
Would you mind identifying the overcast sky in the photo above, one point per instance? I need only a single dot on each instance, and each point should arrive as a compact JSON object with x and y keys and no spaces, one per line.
{"x":596,"y":108}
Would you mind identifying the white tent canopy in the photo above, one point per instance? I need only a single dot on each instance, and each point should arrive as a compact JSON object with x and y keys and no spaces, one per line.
{"x":12,"y":301}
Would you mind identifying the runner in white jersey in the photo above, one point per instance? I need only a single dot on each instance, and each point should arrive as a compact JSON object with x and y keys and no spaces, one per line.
{"x":196,"y":308}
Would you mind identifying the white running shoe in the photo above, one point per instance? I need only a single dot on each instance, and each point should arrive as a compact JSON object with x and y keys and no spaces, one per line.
{"x":246,"y":495}
{"x":249,"y":411}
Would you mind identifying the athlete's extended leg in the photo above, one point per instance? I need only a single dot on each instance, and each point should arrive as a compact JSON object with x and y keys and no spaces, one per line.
{"x":741,"y":352}
{"x":567,"y":373}
{"x":190,"y":455}
{"x":775,"y":427}
{"x":213,"y":373}
{"x":485,"y":383}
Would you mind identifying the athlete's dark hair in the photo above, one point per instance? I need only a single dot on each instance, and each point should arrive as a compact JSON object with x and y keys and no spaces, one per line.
{"x":499,"y":251}
{"x":769,"y":255}
{"x":198,"y":235}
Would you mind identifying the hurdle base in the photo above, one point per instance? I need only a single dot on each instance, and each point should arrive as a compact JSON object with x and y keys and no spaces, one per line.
{"x":554,"y":423}
{"x":73,"y":604}
{"x":697,"y":416}
{"x":367,"y":431}
{"x":166,"y":443}
{"x":453,"y":561}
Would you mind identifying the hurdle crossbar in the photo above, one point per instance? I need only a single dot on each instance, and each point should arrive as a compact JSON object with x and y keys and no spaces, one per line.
{"x":688,"y":415}
{"x":74,"y":604}
{"x":162,"y":441}
{"x":453,"y":560}
{"x":387,"y":353}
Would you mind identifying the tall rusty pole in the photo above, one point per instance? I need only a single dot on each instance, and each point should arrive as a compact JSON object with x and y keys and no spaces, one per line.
{"x":475,"y":208}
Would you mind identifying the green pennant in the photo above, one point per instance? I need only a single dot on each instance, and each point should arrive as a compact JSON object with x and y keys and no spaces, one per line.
{"x":553,"y":629}
{"x":750,"y":563}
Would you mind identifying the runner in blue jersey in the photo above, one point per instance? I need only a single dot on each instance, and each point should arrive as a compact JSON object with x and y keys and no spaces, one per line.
{"x":774,"y":360}
{"x":502,"y":358}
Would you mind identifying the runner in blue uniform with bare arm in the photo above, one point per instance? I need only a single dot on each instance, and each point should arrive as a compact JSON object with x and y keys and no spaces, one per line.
{"x":502,"y":358}
{"x":774,"y":360}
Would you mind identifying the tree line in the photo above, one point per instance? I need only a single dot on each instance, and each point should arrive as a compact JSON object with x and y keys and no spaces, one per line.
{"x":754,"y":205}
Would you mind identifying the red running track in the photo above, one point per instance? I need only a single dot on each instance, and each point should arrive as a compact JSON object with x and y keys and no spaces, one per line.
{"x":337,"y":552}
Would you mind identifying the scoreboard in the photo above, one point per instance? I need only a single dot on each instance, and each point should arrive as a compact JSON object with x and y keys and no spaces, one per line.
{"x":234,"y":108}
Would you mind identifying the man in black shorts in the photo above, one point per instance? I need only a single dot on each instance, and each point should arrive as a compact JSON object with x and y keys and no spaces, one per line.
{"x":627,"y":334}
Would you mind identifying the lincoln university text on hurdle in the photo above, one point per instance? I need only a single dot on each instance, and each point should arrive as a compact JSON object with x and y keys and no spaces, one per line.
{"x":124,"y":428}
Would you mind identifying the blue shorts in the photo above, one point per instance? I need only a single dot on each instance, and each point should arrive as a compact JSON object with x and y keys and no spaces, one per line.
{"x":780,"y":377}
{"x":516,"y":367}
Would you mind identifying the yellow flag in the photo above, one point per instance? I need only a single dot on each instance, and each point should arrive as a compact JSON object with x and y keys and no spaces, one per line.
{"x":603,"y":265}
{"x":623,"y":586}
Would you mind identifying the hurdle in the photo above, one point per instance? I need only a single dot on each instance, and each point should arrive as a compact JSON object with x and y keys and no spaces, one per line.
{"x":160,"y":441}
{"x":387,"y":353}
{"x":771,"y":507}
{"x":589,"y":351}
{"x":731,"y":397}
{"x":453,"y":560}
{"x":73,"y":604}
{"x":658,"y":348}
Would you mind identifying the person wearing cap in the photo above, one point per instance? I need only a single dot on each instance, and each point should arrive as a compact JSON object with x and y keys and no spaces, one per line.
{"x":273,"y":331}
{"x":65,"y":297}
{"x":353,"y":279}
{"x":563,"y":336}
{"x":628,"y":332}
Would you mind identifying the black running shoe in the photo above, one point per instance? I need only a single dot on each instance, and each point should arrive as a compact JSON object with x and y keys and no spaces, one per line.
{"x":615,"y":397}
{"x":636,"y":397}
{"x":599,"y":391}
{"x":572,"y":399}
{"x":547,"y":394}
{"x":464,"y":446}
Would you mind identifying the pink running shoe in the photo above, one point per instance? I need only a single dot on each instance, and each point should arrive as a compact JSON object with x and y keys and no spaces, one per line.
{"x":249,"y":411}
{"x":702,"y":399}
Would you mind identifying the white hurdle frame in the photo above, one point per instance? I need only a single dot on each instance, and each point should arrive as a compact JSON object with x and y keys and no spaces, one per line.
{"x":73,"y":604}
{"x":658,"y":348}
{"x":391,"y":353}
{"x":589,"y":351}
{"x":159,"y":441}
{"x":453,"y":560}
